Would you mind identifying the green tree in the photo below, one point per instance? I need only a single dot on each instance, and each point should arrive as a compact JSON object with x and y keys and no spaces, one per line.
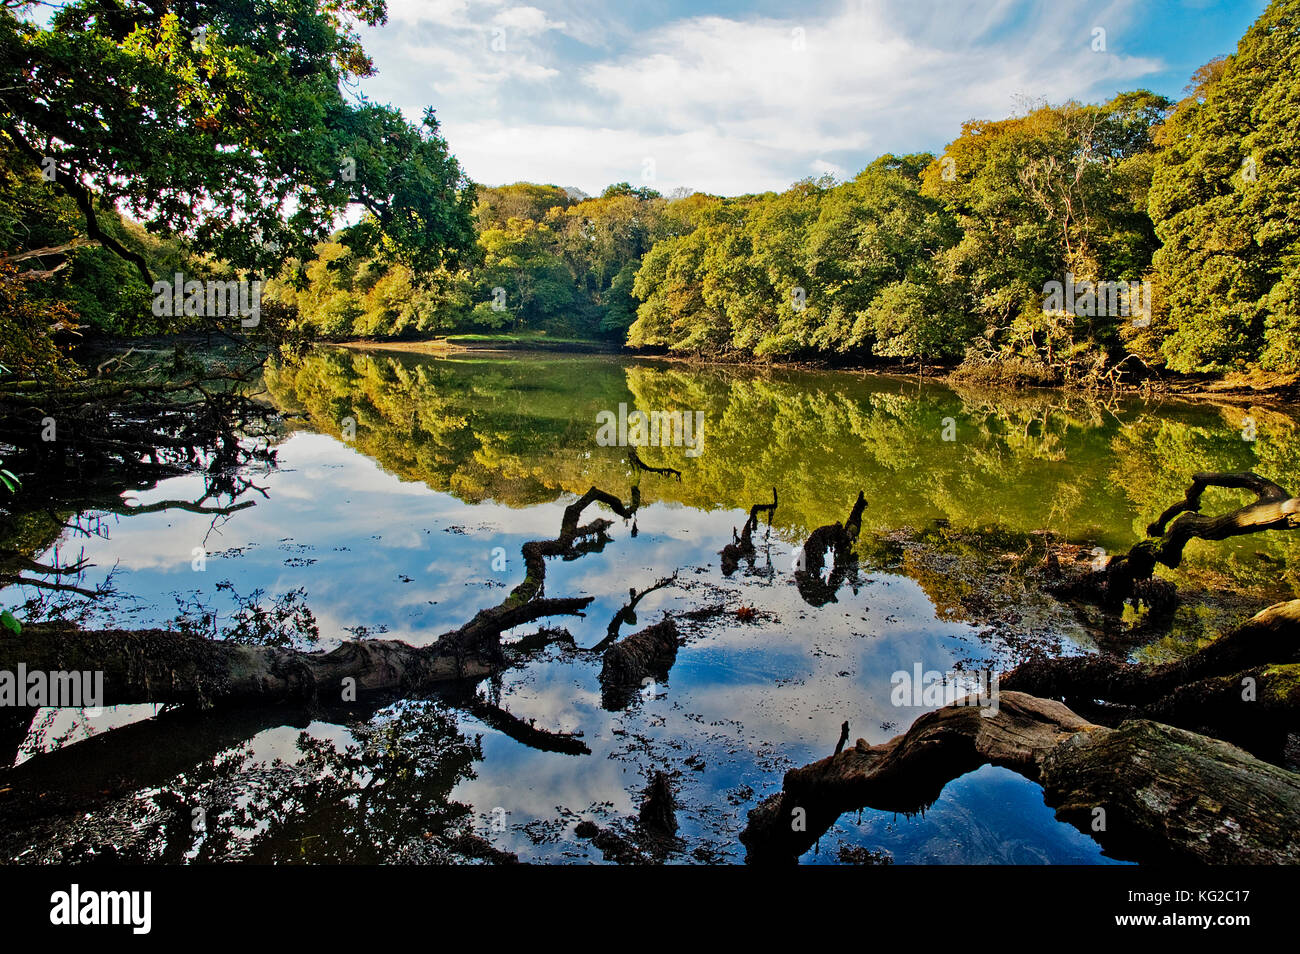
{"x":521,"y":260}
{"x":225,"y":124}
{"x":1225,"y":200}
{"x":872,"y":249}
{"x":1059,"y":190}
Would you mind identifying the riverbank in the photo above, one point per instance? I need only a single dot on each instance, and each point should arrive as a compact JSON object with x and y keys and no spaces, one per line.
{"x":1237,"y":387}
{"x":455,"y":344}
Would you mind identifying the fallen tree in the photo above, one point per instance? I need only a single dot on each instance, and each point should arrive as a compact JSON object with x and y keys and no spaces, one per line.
{"x":1128,"y":577}
{"x":1243,"y":687}
{"x":1144,"y":790}
{"x":157,"y":666}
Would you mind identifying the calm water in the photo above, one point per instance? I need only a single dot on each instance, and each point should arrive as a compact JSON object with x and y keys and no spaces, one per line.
{"x":408,"y":483}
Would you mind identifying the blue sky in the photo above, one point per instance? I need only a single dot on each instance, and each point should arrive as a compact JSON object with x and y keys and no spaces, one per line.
{"x":732,"y":97}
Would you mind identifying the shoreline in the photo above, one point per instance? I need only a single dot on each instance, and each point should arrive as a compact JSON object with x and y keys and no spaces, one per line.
{"x":1177,"y":386}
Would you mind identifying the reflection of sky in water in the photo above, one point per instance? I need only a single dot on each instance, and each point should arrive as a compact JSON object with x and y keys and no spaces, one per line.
{"x":744,"y":702}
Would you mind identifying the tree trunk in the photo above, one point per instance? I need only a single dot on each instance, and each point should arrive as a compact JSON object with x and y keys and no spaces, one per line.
{"x":1243,"y":687}
{"x":157,"y":666}
{"x":1144,"y":791}
{"x":648,"y":654}
{"x":1122,"y":579}
{"x":838,"y":540}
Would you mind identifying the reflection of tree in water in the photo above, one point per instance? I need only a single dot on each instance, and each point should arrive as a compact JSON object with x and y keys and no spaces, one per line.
{"x":1154,"y":459}
{"x":383,"y":797}
{"x":522,"y":432}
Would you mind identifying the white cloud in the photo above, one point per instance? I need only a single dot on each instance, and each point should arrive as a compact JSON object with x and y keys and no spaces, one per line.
{"x":526,"y":20}
{"x":731,"y":104}
{"x":496,"y":152}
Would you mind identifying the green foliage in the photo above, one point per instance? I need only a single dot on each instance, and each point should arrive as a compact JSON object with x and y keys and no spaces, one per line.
{"x":541,"y":262}
{"x":104,"y":291}
{"x":1225,"y":200}
{"x":10,"y":622}
{"x":240,"y":148}
{"x":807,"y":270}
{"x":29,"y":348}
{"x":1059,"y":190}
{"x":522,"y":200}
{"x":227,"y":125}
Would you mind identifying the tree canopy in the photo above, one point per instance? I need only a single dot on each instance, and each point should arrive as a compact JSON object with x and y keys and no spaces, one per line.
{"x":226,"y":124}
{"x":224,"y":138}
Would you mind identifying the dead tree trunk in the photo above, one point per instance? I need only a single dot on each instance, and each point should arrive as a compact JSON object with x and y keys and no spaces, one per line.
{"x":742,"y":547}
{"x":648,"y":654}
{"x":1144,"y":790}
{"x":627,"y":613}
{"x":159,"y":666}
{"x":1244,"y":686}
{"x":1123,"y":577}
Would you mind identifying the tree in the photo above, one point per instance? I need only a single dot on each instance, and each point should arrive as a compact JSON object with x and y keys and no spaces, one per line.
{"x":520,"y":259}
{"x":1225,"y":199}
{"x":1059,"y":190}
{"x":872,"y":234}
{"x":679,"y":306}
{"x":522,"y":200}
{"x":224,"y":123}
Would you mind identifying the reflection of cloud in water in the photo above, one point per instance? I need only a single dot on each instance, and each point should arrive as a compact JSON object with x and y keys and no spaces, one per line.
{"x":749,"y":699}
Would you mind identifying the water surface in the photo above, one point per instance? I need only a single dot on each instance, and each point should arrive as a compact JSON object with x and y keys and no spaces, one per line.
{"x":407,"y":484}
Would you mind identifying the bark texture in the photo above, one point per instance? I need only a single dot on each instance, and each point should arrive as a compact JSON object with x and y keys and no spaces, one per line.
{"x":648,"y":654}
{"x":1144,"y":790}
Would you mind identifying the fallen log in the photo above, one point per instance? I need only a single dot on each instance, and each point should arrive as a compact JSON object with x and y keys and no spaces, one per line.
{"x":1242,"y":687}
{"x":1144,"y":790}
{"x":157,"y":666}
{"x":1124,"y":576}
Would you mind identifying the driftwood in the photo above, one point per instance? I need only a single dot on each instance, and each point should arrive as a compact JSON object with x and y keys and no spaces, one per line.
{"x":648,"y":654}
{"x":742,"y":547}
{"x":1243,"y":687}
{"x":837,"y":539}
{"x":1127,"y":577}
{"x":1144,"y":790}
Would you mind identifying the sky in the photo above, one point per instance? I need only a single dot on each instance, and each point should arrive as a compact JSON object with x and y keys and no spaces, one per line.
{"x":738,"y":96}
